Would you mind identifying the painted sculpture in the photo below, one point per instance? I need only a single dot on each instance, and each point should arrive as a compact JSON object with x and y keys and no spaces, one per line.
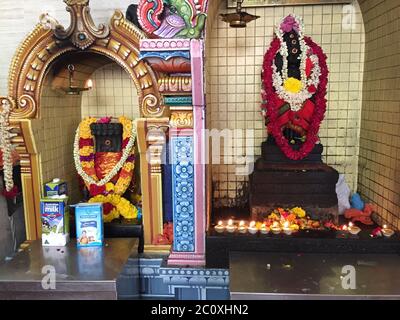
{"x":172,"y":18}
{"x":295,"y":77}
{"x":105,"y":162}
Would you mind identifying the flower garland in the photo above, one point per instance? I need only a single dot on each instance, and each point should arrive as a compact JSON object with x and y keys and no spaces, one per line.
{"x":272,"y":102}
{"x":84,"y":158}
{"x":84,"y":154}
{"x":105,"y":191}
{"x":5,"y":147}
{"x":119,"y":206}
{"x":306,"y":87}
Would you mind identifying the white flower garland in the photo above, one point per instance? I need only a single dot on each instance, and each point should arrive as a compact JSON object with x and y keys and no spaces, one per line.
{"x":5,"y":144}
{"x":285,"y":52}
{"x":295,"y":100}
{"x":125,"y":154}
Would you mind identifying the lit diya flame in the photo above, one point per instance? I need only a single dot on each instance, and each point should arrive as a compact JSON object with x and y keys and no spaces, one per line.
{"x":252,"y":227}
{"x":276,"y":229}
{"x":220,"y":227}
{"x":89,"y":84}
{"x":242,"y":227}
{"x":286,"y":224}
{"x":286,"y":228}
{"x":230,"y":227}
{"x":353,"y":229}
{"x":387,"y":232}
{"x":264,"y":229}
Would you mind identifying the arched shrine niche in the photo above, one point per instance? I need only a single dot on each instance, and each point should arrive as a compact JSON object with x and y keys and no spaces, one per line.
{"x":233,"y":75}
{"x":44,"y":119}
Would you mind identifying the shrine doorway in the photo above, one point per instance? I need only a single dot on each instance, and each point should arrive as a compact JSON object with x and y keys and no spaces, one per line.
{"x":39,"y":68}
{"x":234,"y":65}
{"x":113,"y":94}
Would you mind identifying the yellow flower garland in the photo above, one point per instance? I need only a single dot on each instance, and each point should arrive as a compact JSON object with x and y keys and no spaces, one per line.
{"x":85,"y":133}
{"x":122,"y":206}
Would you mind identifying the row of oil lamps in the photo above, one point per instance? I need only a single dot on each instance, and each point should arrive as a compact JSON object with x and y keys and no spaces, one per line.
{"x":276,"y":228}
{"x":252,"y":228}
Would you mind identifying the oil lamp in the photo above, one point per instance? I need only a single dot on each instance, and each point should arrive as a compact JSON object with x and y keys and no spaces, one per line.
{"x":354,"y":230}
{"x":238,"y":19}
{"x":264,"y":229}
{"x":252,"y":228}
{"x":219,"y":227}
{"x":276,"y":229}
{"x":230,"y":227}
{"x":286,"y":228}
{"x":387,"y":232}
{"x":242,"y":227}
{"x":72,"y":89}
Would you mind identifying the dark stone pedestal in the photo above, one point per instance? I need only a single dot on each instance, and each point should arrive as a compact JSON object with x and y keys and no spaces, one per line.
{"x":281,"y":182}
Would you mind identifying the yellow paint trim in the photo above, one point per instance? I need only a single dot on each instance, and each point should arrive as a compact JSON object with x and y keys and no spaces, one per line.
{"x":158,"y":248}
{"x":145,"y":180}
{"x":29,"y":207}
{"x":156,"y":192}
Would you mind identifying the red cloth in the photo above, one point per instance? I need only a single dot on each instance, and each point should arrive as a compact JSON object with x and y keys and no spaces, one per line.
{"x":300,"y":118}
{"x":104,"y":162}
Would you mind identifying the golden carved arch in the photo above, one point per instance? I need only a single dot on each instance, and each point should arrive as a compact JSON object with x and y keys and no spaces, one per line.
{"x":119,"y":41}
{"x":42,"y":47}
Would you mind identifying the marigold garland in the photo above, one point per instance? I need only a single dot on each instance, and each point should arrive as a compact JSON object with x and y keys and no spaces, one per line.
{"x":84,"y":157}
{"x":105,"y":191}
{"x":121,"y":207}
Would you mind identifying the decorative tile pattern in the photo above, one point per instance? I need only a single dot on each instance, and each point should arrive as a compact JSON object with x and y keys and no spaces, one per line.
{"x":162,"y":282}
{"x":165,"y":55}
{"x":164,"y":44}
{"x":183,"y":193}
{"x":178,"y":101}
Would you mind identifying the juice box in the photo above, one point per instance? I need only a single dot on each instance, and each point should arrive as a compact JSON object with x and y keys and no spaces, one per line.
{"x":56,"y":187}
{"x":55,"y":221}
{"x":89,"y":224}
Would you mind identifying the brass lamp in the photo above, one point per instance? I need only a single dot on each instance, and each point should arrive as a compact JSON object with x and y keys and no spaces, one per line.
{"x":238,"y":19}
{"x":72,"y":89}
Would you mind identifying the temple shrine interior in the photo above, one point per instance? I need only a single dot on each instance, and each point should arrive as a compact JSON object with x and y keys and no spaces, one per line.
{"x":188,"y":143}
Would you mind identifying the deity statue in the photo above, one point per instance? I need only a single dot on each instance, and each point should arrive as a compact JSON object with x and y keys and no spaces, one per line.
{"x":104,"y":153}
{"x":294,"y":87}
{"x":290,"y":173}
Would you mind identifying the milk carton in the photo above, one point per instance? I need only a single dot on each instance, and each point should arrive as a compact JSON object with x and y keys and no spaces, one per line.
{"x":55,"y":221}
{"x":89,"y":224}
{"x":56,"y":187}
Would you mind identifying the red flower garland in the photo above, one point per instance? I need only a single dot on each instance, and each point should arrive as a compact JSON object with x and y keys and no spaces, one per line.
{"x":10,"y":194}
{"x":272,"y":105}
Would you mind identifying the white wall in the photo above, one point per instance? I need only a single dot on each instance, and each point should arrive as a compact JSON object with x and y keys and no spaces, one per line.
{"x":18,"y":18}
